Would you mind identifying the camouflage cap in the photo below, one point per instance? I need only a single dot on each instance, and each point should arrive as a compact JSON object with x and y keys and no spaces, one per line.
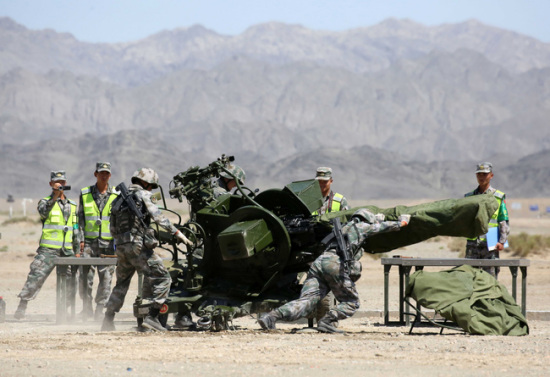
{"x":58,"y":175}
{"x":484,"y":167}
{"x":103,"y":166}
{"x":324,"y":173}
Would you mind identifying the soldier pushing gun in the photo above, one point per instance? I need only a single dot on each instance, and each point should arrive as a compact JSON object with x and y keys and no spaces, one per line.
{"x":336,"y":270}
{"x":131,"y":215}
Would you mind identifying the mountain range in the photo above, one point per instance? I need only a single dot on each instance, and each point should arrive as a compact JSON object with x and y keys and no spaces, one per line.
{"x":398,"y":109}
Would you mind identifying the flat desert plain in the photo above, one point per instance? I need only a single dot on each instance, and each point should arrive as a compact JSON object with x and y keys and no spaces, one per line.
{"x":37,"y":346}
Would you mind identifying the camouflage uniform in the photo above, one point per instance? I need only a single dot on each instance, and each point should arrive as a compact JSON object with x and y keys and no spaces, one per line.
{"x":478,"y":249}
{"x":333,"y":202}
{"x":134,"y":256}
{"x":43,"y":262}
{"x":220,"y":186}
{"x":95,"y":247}
{"x":328,"y":273}
{"x":328,"y":204}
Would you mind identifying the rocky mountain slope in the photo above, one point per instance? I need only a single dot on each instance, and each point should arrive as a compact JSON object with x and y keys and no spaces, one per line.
{"x":397,"y":109}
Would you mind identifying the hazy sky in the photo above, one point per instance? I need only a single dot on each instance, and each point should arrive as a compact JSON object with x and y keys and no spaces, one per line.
{"x":128,"y":20}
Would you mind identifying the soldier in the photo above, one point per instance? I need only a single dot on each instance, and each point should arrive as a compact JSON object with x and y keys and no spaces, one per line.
{"x":329,"y":272}
{"x":226,"y":183}
{"x":477,"y":248}
{"x":94,"y":212}
{"x":135,"y":245}
{"x":333,"y":202}
{"x":59,"y":238}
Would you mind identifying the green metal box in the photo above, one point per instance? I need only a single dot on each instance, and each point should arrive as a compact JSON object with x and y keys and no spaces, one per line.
{"x":244,"y":239}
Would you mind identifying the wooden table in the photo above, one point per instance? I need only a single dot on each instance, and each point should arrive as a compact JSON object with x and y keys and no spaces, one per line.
{"x":405,"y":264}
{"x":62,"y":300}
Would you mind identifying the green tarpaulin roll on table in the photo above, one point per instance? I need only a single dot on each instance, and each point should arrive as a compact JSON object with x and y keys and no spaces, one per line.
{"x":471,"y":298}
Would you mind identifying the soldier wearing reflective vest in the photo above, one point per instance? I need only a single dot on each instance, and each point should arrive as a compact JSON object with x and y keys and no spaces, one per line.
{"x":94,"y":213}
{"x":59,"y":238}
{"x":332,"y":202}
{"x":477,"y":248}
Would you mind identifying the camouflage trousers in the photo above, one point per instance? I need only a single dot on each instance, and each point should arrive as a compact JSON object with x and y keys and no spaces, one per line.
{"x":87,"y":273}
{"x":41,"y":267}
{"x":134,"y":257}
{"x":475,"y":250}
{"x":326,"y":274}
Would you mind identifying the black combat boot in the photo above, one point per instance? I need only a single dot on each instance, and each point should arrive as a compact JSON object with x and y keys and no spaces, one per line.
{"x":268,"y":320}
{"x":21,"y":309}
{"x":152,"y":320}
{"x":328,"y":324}
{"x":108,"y":321}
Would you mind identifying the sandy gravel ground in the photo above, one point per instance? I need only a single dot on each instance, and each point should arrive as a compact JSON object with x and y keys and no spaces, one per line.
{"x":36,"y":346}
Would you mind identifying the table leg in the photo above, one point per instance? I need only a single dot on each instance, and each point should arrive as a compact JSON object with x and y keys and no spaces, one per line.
{"x":401,"y":294}
{"x":386,"y":294}
{"x":418,"y":306}
{"x":72,"y":291}
{"x":87,"y":304}
{"x":61,"y":295}
{"x":523,"y":290}
{"x":407,"y":271}
{"x":514,"y":272}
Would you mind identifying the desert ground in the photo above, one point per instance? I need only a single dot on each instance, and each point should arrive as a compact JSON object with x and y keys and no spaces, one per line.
{"x":37,"y":346}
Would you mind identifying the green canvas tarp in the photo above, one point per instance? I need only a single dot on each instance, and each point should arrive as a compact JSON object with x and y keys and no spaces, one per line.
{"x":471,"y":298}
{"x":465,"y":217}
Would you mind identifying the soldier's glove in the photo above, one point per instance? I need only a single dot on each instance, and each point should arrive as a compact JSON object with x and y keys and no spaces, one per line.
{"x":181,"y":238}
{"x":405,"y":220}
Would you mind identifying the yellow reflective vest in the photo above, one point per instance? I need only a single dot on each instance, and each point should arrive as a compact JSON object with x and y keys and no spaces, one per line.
{"x":335,"y":205}
{"x":97,"y":225}
{"x":56,"y":232}
{"x":493,"y":221}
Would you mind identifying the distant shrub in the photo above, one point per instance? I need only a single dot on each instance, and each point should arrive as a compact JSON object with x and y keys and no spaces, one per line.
{"x":22,"y":219}
{"x":4,"y":248}
{"x":524,"y":244}
{"x":458,"y":244}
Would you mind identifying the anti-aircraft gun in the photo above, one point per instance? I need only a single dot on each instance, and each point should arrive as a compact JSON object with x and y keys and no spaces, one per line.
{"x":249,"y":249}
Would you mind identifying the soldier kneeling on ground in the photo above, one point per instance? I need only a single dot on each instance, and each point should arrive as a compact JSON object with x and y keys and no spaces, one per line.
{"x":332,"y":272}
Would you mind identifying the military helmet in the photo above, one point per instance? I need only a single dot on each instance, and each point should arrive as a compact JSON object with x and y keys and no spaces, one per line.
{"x":237,"y":171}
{"x":146,"y":175}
